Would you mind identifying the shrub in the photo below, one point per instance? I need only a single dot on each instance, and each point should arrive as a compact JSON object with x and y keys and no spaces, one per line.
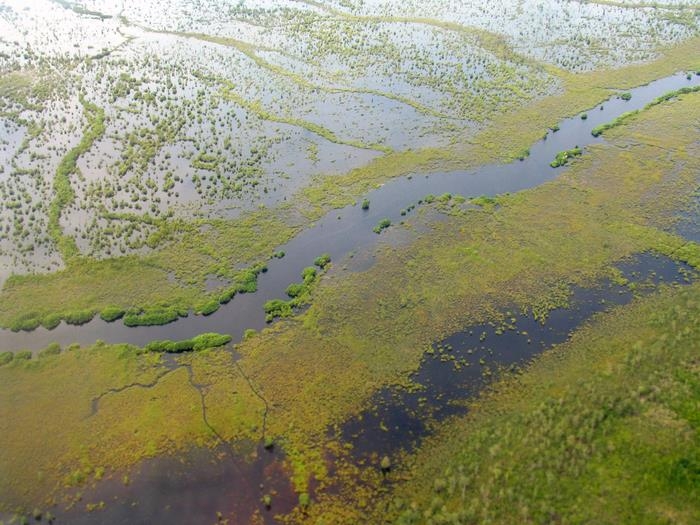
{"x":249,"y":332}
{"x":384,"y":224}
{"x":626,"y":96}
{"x":483,"y":201}
{"x":564,"y":156}
{"x":323,"y":260}
{"x":304,"y":500}
{"x":79,"y":317}
{"x":112,"y":313}
{"x":197,"y":343}
{"x":296,"y":289}
{"x":152,"y":317}
{"x":227,"y":294}
{"x":6,"y":357}
{"x":208,"y":307}
{"x":365,"y":204}
{"x":277,"y":308}
{"x":584,"y":116}
{"x":51,"y":321}
{"x":27,"y":322}
{"x":210,"y":340}
{"x":23,"y":355}
{"x":51,"y":349}
{"x":308,"y":274}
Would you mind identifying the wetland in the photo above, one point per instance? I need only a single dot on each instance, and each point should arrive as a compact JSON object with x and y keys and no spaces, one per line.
{"x":349,"y":262}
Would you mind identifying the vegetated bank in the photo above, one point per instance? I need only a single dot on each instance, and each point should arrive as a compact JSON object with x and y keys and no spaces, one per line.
{"x":611,"y":413}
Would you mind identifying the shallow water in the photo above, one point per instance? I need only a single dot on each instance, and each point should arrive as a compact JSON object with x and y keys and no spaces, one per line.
{"x":349,"y":229}
{"x":398,"y":419}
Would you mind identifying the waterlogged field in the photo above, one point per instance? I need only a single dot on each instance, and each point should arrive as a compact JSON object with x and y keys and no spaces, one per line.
{"x":157,"y":157}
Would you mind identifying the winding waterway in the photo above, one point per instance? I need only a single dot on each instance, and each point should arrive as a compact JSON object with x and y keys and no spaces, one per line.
{"x":349,"y":229}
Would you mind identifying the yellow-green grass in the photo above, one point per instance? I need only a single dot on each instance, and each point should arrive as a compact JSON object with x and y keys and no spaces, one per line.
{"x":173,"y":276}
{"x":70,"y":418}
{"x":601,"y":429}
{"x":191,"y":253}
{"x":367,"y":330}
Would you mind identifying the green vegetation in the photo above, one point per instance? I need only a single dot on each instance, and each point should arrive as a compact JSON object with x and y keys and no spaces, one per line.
{"x":78,"y":317}
{"x":563,"y":157}
{"x":299,"y":293}
{"x":364,"y":329}
{"x":52,"y":349}
{"x":365,"y":204}
{"x":197,"y":344}
{"x":383,"y":225}
{"x":6,"y":357}
{"x":64,"y":194}
{"x":625,"y":117}
{"x":112,"y":313}
{"x":158,"y":315}
{"x":322,"y":261}
{"x":207,"y":308}
{"x":626,"y":96}
{"x":608,"y":414}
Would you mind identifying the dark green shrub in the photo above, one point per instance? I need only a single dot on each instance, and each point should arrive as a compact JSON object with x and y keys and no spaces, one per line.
{"x":51,"y":349}
{"x":27,"y":322}
{"x":564,"y":156}
{"x":626,"y":96}
{"x":6,"y":357}
{"x":384,"y":224}
{"x":296,"y":289}
{"x":23,"y":355}
{"x":584,"y":116}
{"x":322,"y":260}
{"x":79,"y":317}
{"x":210,"y":340}
{"x":365,"y":204}
{"x":277,"y":308}
{"x":112,"y":313}
{"x":208,"y":307}
{"x":200,"y":342}
{"x":152,"y":316}
{"x":227,"y":295}
{"x":308,"y":274}
{"x":51,"y":321}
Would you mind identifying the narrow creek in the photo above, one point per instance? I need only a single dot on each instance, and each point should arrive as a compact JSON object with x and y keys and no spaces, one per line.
{"x":346,"y":230}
